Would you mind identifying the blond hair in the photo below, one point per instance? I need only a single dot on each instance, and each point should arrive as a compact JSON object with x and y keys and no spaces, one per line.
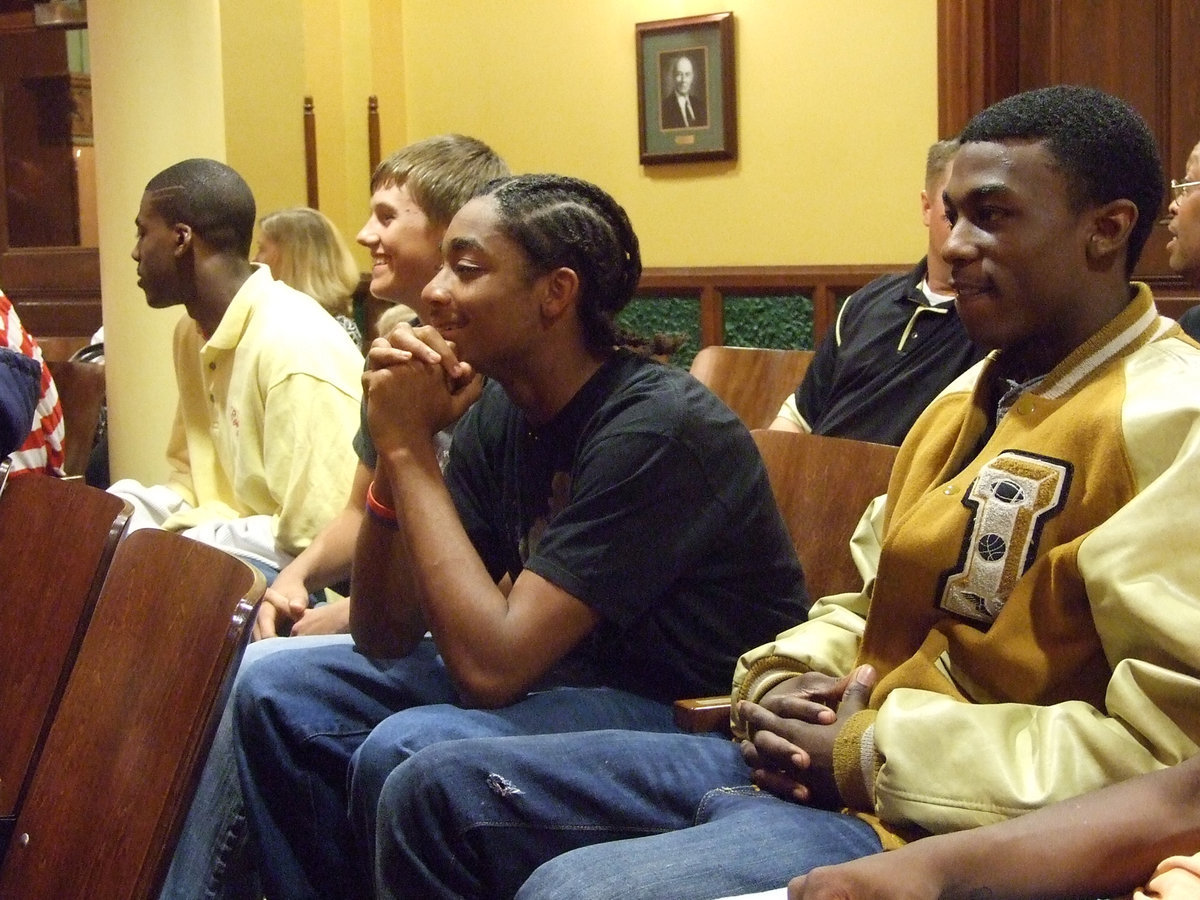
{"x":442,"y":173}
{"x":937,"y":161}
{"x":313,"y":257}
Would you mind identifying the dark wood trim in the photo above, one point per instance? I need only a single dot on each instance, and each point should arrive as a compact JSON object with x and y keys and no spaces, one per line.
{"x":827,"y":286}
{"x":373,"y":153}
{"x":978,"y":49}
{"x":17,"y":21}
{"x":310,"y":153}
{"x":1172,"y":295}
{"x":56,"y":290}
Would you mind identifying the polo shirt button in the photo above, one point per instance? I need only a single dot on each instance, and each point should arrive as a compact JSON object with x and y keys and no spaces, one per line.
{"x":949,"y":490}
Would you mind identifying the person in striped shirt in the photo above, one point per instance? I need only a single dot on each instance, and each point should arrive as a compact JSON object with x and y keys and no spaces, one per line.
{"x":42,"y":450}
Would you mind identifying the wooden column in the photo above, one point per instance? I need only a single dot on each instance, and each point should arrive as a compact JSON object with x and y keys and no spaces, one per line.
{"x":373,"y":132}
{"x":310,"y":152}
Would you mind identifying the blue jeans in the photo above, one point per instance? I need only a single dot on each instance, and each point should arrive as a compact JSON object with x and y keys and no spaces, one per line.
{"x":211,"y":860}
{"x":318,"y":733}
{"x":607,"y":814}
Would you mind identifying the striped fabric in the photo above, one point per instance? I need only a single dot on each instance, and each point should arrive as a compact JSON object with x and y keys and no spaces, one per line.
{"x":43,"y":449}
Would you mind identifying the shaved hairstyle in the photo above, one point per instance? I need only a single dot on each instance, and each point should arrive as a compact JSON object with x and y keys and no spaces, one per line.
{"x":209,"y":197}
{"x":1102,"y":145}
{"x":937,"y":160}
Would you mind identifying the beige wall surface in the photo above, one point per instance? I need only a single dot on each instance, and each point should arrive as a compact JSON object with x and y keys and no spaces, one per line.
{"x":837,"y":103}
{"x":262,"y":85}
{"x":156,"y":99}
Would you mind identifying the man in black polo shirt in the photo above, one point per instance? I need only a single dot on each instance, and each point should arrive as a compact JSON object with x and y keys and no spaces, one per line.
{"x":896,"y":343}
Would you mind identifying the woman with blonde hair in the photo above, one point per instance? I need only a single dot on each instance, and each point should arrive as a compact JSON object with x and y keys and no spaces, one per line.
{"x":304,"y":250}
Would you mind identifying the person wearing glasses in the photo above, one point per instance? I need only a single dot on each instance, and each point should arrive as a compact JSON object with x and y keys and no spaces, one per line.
{"x":1099,"y":844}
{"x":1184,"y":246}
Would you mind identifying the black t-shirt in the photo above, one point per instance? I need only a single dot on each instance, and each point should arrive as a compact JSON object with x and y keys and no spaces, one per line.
{"x":646,"y":499}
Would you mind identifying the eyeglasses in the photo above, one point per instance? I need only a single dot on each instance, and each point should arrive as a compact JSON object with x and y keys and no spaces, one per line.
{"x":1180,"y":189}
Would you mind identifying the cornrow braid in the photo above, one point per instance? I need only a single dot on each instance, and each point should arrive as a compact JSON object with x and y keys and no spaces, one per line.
{"x":562,"y":221}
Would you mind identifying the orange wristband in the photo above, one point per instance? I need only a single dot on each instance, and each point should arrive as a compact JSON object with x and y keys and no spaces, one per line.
{"x":384,"y":514}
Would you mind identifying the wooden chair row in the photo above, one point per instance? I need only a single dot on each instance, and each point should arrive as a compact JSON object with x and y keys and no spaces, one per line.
{"x":116,"y":657}
{"x":752,"y":381}
{"x":822,"y":486}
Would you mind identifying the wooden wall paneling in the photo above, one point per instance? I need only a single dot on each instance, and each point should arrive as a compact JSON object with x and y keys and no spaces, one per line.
{"x":56,"y":289}
{"x":978,"y":42}
{"x":827,"y":285}
{"x":1183,"y":74}
{"x":1147,"y":51}
{"x":712,"y":316}
{"x":1092,"y":42}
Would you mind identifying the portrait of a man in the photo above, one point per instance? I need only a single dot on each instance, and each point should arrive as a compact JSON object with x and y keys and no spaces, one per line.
{"x":687,"y":99}
{"x":684,"y":90}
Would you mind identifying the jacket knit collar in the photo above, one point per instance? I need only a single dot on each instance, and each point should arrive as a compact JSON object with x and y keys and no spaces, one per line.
{"x":1135,"y":326}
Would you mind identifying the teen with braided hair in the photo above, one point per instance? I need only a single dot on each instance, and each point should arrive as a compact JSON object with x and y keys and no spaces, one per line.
{"x":602,"y":540}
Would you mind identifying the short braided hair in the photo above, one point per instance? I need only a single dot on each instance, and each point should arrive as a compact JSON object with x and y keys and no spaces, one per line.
{"x":568,"y":222}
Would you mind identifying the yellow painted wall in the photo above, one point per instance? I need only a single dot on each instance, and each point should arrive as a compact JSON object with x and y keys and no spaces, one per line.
{"x":156,"y":99}
{"x":337,"y":66}
{"x":386,"y":50}
{"x":262,"y":93}
{"x":837,"y":104}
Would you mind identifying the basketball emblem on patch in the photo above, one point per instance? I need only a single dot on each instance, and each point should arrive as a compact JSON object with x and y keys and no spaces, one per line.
{"x":1011,"y":499}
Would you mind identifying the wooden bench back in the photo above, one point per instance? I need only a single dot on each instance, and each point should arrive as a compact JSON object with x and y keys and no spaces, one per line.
{"x":81,"y":394}
{"x":823,"y":485}
{"x":126,"y":748}
{"x":752,"y":381}
{"x":57,"y":539}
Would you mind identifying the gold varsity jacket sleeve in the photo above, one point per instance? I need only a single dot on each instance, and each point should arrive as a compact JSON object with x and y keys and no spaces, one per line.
{"x":944,"y":764}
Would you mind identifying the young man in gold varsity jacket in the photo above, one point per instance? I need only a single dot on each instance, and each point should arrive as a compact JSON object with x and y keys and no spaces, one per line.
{"x":1027,"y":630}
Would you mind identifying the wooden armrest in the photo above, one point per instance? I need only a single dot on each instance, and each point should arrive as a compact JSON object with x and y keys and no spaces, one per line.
{"x":701,"y":714}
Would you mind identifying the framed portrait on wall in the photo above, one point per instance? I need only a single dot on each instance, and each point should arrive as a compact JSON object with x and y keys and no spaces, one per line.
{"x":687,"y":104}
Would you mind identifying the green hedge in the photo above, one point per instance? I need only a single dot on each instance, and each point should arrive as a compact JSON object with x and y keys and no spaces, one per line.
{"x":784,"y":322}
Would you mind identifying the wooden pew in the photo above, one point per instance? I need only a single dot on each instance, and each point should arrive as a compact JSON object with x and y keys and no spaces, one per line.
{"x":752,"y":381}
{"x":57,"y":540}
{"x":822,"y":486}
{"x":126,"y":747}
{"x":81,"y":394}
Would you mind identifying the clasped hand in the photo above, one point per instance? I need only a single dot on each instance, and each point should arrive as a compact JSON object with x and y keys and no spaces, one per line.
{"x":793,"y":730}
{"x":415,"y":386}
